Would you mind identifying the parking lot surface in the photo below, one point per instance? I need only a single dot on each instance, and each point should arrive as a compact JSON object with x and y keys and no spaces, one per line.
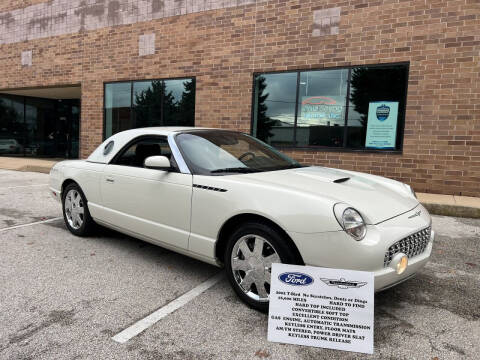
{"x":65,"y":297}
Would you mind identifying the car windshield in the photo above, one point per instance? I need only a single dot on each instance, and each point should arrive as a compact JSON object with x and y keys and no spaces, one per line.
{"x":218,"y":152}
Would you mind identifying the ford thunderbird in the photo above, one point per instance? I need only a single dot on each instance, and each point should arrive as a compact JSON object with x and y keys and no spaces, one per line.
{"x":228,"y":199}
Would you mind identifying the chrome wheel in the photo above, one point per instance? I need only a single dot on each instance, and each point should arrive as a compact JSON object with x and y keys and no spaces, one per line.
{"x":74,"y":209}
{"x":251,"y":260}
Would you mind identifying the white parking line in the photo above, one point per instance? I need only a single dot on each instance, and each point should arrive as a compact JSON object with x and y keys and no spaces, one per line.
{"x":159,"y":314}
{"x":19,"y":186}
{"x":29,"y":224}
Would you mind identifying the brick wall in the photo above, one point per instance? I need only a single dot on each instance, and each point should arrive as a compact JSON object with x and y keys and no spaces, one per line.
{"x":224,"y":46}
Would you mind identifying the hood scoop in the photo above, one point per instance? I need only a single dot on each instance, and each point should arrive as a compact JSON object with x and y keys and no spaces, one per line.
{"x":341,"y":180}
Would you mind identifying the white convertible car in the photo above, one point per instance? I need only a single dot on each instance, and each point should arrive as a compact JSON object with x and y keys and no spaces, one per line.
{"x":229,"y":199}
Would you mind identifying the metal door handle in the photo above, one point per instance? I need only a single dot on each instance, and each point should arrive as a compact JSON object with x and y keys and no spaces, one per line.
{"x":110,"y":180}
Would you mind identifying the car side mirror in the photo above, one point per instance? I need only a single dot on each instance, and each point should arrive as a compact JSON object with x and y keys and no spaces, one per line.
{"x":158,"y":162}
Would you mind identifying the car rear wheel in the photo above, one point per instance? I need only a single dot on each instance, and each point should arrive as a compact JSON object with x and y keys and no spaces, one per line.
{"x":250,"y":253}
{"x":75,"y":211}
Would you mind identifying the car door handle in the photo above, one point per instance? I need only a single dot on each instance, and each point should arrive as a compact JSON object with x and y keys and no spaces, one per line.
{"x":110,"y":180}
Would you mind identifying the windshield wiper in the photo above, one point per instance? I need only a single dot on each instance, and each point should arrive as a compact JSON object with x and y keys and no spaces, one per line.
{"x":292,"y":166}
{"x":286,"y":167}
{"x":242,"y":170}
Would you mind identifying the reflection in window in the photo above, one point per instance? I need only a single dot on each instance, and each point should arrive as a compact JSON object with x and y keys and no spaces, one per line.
{"x":149,"y":103}
{"x":179,"y":103}
{"x":369,"y":86}
{"x":358,"y":107}
{"x":321,"y":108}
{"x":33,"y":126}
{"x":12,"y":126}
{"x":118,"y":101}
{"x":41,"y":125}
{"x":274,"y":108}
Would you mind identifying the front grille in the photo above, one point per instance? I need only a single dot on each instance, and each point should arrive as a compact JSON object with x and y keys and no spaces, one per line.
{"x":411,"y":246}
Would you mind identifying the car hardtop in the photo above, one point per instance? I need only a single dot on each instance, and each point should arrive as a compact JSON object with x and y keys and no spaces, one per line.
{"x":120,"y":139}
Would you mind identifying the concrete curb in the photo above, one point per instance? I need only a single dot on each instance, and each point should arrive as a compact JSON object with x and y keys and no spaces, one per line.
{"x":36,"y":168}
{"x":453,"y":210}
{"x":451,"y":205}
{"x":27,"y":164}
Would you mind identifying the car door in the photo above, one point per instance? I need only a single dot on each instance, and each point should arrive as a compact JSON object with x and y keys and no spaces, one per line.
{"x":150,"y":202}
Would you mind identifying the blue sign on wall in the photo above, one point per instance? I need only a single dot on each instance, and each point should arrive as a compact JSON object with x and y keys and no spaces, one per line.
{"x":382,"y":125}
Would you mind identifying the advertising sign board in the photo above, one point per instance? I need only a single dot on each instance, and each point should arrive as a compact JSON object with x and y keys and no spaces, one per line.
{"x":322,"y":110}
{"x":382,"y":125}
{"x":321,"y":307}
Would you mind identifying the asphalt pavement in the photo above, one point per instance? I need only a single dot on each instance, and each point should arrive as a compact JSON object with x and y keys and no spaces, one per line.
{"x":65,"y":297}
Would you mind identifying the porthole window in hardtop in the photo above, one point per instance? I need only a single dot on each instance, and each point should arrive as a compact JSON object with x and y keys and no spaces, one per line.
{"x":108,"y":148}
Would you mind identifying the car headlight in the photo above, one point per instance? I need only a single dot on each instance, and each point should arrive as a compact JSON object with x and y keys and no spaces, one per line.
{"x":409,"y":188}
{"x":350,"y":220}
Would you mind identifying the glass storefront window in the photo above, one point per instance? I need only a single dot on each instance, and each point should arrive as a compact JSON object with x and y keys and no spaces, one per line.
{"x":274,"y":108}
{"x":41,"y":136}
{"x":12,"y":125}
{"x":39,"y":127}
{"x":149,"y":103}
{"x":321,"y":108}
{"x":360,"y":108}
{"x":370,"y":86}
{"x":118,"y":105}
{"x":179,"y":102}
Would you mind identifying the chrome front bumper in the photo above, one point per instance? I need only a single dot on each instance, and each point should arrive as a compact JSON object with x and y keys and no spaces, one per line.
{"x":338,"y":250}
{"x":387,"y":277}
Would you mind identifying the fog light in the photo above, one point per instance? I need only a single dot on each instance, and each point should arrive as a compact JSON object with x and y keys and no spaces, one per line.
{"x":399,"y":263}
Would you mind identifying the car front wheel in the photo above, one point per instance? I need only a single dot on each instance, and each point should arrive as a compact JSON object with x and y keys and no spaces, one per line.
{"x":75,"y":211}
{"x":250,"y":253}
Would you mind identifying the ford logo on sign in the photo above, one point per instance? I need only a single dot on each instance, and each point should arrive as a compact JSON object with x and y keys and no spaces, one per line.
{"x":294,"y":278}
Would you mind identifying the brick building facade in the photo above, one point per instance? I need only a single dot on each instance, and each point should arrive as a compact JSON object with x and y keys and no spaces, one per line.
{"x":223,"y":43}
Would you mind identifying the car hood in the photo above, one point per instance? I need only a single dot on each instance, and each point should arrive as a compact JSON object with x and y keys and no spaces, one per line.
{"x":71,"y":163}
{"x":376,"y":197}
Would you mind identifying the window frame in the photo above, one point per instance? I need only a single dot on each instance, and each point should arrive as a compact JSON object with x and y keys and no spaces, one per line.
{"x":344,"y":148}
{"x":135,"y":140}
{"x":105,"y":83}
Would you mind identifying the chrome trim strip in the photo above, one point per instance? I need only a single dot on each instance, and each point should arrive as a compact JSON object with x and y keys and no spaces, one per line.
{"x":177,"y":155}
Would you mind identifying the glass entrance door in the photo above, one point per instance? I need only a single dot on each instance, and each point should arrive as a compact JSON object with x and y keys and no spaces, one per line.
{"x":67,"y":129}
{"x":39,"y":127}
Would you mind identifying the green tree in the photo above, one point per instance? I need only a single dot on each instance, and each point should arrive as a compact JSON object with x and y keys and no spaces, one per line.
{"x":148,"y":105}
{"x":375,"y":84}
{"x":186,"y":105}
{"x":264,"y":122}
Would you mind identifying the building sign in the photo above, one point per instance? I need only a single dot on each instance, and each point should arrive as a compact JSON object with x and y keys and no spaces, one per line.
{"x":322,"y":110}
{"x":321,"y":307}
{"x":382,"y":125}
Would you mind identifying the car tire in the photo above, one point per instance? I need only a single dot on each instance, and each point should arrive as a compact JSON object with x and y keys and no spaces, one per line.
{"x":249,"y":250}
{"x":75,"y":211}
